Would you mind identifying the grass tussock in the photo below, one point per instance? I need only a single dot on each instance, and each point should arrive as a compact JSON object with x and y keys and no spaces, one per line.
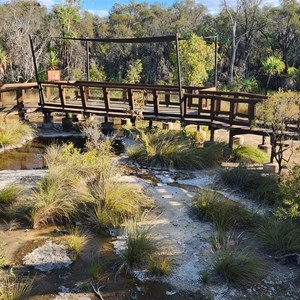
{"x":224,"y":213}
{"x":253,"y":183}
{"x":76,"y":241}
{"x":113,"y":203}
{"x":140,"y":245}
{"x":247,"y":154}
{"x":15,"y":288}
{"x":280,"y":235}
{"x":240,"y":267}
{"x":175,"y":150}
{"x":13,"y":131}
{"x":159,"y":265}
{"x":56,"y":199}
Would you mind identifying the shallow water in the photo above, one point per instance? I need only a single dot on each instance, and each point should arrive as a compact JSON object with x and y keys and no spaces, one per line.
{"x":30,"y":156}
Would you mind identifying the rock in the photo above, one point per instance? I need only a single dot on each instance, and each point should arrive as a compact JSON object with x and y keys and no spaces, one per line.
{"x":171,"y":293}
{"x":271,"y":168}
{"x":48,"y":257}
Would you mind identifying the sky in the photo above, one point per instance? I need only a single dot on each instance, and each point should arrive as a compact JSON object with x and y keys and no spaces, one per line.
{"x":102,"y":7}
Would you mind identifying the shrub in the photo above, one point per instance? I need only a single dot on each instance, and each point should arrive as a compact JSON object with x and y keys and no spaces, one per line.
{"x":159,"y":265}
{"x":13,"y":131}
{"x":173,"y":149}
{"x":9,"y":194}
{"x":240,"y":267}
{"x":140,"y":245}
{"x":256,"y":185}
{"x":282,"y":236}
{"x":249,"y":154}
{"x":222,"y":212}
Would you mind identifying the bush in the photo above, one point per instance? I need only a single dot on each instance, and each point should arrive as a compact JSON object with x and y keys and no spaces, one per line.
{"x":240,"y":267}
{"x":290,"y":193}
{"x":174,"y":149}
{"x":282,"y":236}
{"x":255,"y":184}
{"x":249,"y":154}
{"x":222,"y":212}
{"x":12,"y":131}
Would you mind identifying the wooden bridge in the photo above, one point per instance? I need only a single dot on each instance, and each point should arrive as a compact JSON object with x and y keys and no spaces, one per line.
{"x":233,"y":111}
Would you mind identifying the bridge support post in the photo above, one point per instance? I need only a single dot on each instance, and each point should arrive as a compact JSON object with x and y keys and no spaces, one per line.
{"x":231,"y":136}
{"x":212,"y":134}
{"x":150,"y":124}
{"x":47,"y":122}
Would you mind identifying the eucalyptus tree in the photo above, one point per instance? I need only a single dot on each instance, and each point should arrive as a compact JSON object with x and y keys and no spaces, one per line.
{"x":242,"y":19}
{"x":18,"y":20}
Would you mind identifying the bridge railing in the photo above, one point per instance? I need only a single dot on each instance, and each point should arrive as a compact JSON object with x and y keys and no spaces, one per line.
{"x":161,"y":102}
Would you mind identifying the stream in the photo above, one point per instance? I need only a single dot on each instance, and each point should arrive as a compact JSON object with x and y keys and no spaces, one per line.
{"x":47,"y":286}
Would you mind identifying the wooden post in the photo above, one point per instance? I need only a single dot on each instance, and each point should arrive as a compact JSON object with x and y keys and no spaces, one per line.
{"x":106,"y":99}
{"x":130,"y":99}
{"x":212,"y":134}
{"x":20,"y":103}
{"x":155,"y":102}
{"x":167,"y":98}
{"x":179,"y":77}
{"x":61,"y":95}
{"x":231,"y":135}
{"x":82,"y":96}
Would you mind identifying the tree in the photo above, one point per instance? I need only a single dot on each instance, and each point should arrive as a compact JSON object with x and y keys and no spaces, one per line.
{"x":272,"y":66}
{"x":134,"y":72}
{"x":250,"y":10}
{"x":197,"y":58}
{"x":3,"y":63}
{"x":277,"y":113}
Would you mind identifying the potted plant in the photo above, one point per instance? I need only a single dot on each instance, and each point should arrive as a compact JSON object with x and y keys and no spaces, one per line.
{"x":53,"y":72}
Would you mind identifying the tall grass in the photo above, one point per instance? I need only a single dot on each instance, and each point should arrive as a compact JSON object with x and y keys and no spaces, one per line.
{"x":281,"y":236}
{"x":240,"y":267}
{"x":76,"y":241}
{"x":224,"y":213}
{"x":56,"y":199}
{"x":114,"y":202}
{"x":15,"y":288}
{"x":13,"y":131}
{"x":173,"y":149}
{"x":247,"y":154}
{"x":257,"y":185}
{"x":140,"y":245}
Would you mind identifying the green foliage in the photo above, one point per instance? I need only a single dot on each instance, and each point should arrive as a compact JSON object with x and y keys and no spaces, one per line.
{"x":257,"y":185}
{"x":134,"y":72}
{"x":277,"y":112}
{"x":52,"y":60}
{"x":196,"y":58}
{"x":96,"y":73}
{"x":140,"y":245}
{"x":247,"y":154}
{"x":281,"y":236}
{"x":290,"y":191}
{"x":273,"y":65}
{"x":292,"y":72}
{"x":173,"y":149}
{"x":12,"y":131}
{"x":240,"y":267}
{"x":224,"y":213}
